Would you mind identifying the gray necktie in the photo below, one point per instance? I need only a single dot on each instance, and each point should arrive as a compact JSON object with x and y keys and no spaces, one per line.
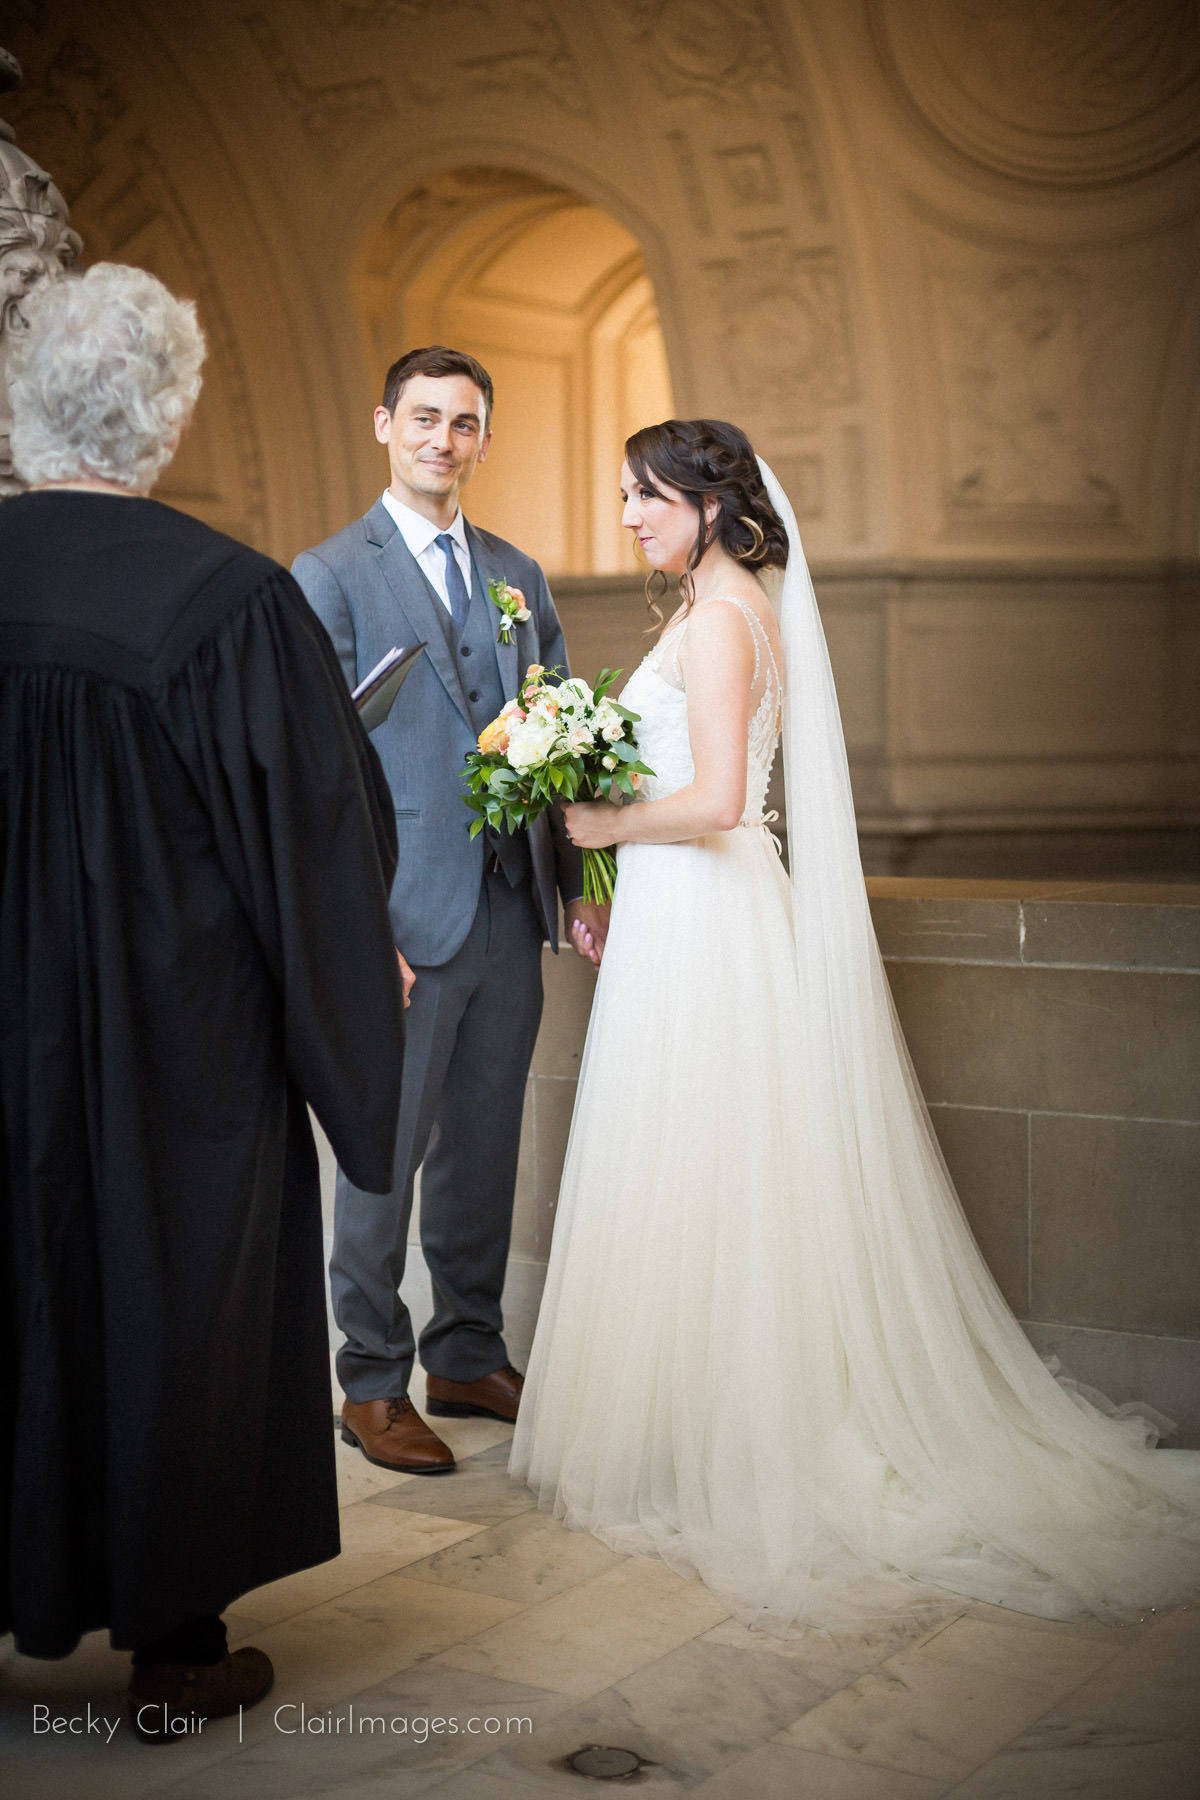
{"x":456,"y":587}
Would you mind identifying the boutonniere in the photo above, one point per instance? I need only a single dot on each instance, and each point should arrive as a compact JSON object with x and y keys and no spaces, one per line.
{"x":510,"y":604}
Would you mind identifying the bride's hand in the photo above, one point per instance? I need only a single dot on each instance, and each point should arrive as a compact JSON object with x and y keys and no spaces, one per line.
{"x":592,"y":824}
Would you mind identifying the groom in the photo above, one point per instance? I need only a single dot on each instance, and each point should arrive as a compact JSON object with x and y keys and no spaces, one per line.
{"x":469,"y":915}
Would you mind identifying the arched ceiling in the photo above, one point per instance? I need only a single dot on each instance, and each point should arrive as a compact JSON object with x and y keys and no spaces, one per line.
{"x":834,"y":201}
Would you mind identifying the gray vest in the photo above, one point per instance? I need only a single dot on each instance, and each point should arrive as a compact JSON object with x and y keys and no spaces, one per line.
{"x":479,"y":670}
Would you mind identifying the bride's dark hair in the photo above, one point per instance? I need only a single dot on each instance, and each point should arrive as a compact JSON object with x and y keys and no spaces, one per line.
{"x":708,"y":459}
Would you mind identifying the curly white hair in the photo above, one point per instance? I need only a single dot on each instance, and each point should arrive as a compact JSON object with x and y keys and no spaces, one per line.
{"x":105,"y":378}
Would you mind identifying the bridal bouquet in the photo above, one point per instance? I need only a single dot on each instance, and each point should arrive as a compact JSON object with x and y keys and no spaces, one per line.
{"x":557,"y":740}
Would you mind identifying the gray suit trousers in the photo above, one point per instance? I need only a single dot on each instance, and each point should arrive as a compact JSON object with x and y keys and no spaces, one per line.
{"x":469,"y":1039}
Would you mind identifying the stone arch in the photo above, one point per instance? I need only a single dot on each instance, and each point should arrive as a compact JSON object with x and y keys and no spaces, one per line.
{"x":552,"y":293}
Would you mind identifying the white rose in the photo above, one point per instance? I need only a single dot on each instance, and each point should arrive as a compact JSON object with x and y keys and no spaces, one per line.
{"x":612,"y":734}
{"x":522,"y":615}
{"x":610,"y":762}
{"x":580,"y":739}
{"x":531,"y":740}
{"x":574,"y":695}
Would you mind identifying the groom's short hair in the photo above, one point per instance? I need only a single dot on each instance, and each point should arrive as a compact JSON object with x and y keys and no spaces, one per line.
{"x":436,"y":360}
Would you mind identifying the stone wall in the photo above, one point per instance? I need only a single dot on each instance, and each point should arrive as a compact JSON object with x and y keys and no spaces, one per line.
{"x":1055,"y":1029}
{"x":1000,"y":719}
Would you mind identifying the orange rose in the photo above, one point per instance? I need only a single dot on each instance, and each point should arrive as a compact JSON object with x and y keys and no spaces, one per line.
{"x":493,"y":739}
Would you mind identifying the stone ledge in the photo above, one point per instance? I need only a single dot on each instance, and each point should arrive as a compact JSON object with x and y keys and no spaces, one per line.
{"x":1051,"y":924}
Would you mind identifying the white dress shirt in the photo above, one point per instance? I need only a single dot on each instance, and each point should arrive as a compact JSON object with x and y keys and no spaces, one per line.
{"x":421,"y":537}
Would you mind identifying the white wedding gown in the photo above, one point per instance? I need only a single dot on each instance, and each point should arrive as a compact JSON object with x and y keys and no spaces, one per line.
{"x":816,"y":1400}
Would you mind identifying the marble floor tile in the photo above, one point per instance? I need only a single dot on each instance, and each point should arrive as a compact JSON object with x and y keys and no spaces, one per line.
{"x":528,"y":1558}
{"x":714,"y":1702}
{"x":124,"y":1770}
{"x":359,"y":1639}
{"x":400,"y":1738}
{"x":927,"y":1716}
{"x":478,"y":1491}
{"x":1055,"y":1661}
{"x":685,"y":1714}
{"x":375,"y":1540}
{"x":1050,"y":1763}
{"x":242,"y":1624}
{"x":485,"y":1782}
{"x":498,"y":1778}
{"x":585,"y":1639}
{"x":1121,"y":1636}
{"x":357,"y":1479}
{"x":1143,"y":1690}
{"x":854,"y":1651}
{"x":772,"y":1772}
{"x":1177,"y":1632}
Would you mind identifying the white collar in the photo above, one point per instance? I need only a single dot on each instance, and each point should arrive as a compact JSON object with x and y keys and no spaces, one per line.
{"x":419,"y":532}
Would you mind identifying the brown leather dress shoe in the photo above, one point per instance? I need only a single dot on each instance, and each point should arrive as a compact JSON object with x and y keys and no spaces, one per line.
{"x":494,"y":1396}
{"x":169,"y":1701}
{"x":393,"y":1435}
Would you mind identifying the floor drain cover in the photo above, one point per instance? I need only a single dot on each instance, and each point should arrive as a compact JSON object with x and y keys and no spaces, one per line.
{"x":605,"y":1763}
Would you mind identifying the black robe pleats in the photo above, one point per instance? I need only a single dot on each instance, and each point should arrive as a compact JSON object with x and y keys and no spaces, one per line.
{"x":196,"y":847}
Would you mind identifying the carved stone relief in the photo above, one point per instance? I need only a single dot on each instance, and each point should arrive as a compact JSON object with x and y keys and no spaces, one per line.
{"x":335,"y":114}
{"x":542,"y":68}
{"x":36,"y":245}
{"x":786,"y":330}
{"x":140,"y":217}
{"x":1077,"y":91}
{"x":802,"y":479}
{"x":805,"y":157}
{"x":514,"y":51}
{"x":129,"y":210}
{"x":1043,"y":371}
{"x":708,"y":49}
{"x":691,"y":181}
{"x":74,"y":103}
{"x":749,"y":175}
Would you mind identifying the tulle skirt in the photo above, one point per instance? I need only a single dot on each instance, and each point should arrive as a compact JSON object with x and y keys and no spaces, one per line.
{"x":826,"y":1412}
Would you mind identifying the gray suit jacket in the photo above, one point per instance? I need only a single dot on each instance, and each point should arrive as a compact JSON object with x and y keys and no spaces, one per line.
{"x":369,"y":593}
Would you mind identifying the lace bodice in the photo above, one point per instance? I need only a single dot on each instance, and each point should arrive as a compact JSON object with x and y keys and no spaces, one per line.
{"x":656,"y":691}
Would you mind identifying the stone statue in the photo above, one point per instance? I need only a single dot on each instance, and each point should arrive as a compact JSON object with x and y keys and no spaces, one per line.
{"x":36,"y":244}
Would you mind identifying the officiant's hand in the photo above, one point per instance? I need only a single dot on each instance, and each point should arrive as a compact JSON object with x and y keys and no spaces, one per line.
{"x":407,"y":978}
{"x":587,"y":928}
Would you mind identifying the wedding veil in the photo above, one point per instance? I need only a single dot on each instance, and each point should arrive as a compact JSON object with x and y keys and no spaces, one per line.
{"x":960,"y":1458}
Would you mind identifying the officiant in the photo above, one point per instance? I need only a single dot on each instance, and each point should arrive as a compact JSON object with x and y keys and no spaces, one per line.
{"x":196,"y":849}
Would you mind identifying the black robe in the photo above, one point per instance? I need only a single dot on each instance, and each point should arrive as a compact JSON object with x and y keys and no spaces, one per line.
{"x":196,"y":848}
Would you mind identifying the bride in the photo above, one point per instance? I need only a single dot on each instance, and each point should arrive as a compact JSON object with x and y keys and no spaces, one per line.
{"x":769,"y":1350}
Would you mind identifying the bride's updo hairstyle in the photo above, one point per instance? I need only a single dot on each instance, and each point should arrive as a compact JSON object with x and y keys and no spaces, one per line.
{"x":708,"y":459}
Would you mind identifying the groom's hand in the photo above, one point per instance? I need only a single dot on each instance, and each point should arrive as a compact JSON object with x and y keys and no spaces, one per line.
{"x":407,"y":978}
{"x":587,"y":928}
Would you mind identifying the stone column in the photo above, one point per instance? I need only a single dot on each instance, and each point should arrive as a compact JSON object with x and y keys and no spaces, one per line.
{"x":36,"y":245}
